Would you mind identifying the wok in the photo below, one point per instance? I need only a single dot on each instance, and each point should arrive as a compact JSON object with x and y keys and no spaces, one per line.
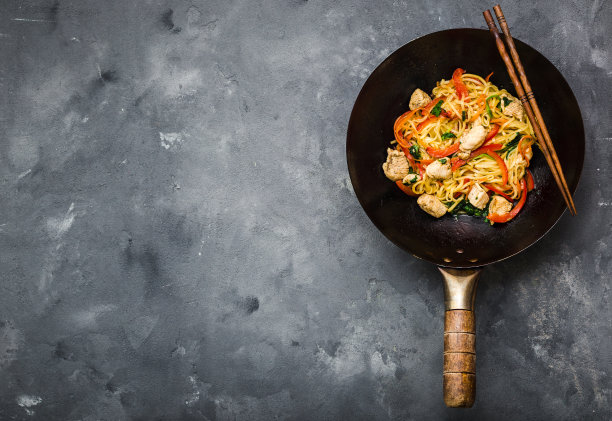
{"x":461,"y":245}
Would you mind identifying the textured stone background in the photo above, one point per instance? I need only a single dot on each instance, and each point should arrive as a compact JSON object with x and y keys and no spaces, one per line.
{"x":180,"y":240}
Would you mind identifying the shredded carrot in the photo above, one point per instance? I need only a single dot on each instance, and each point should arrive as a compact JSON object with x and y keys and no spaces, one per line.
{"x":426,"y":122}
{"x":487,"y":78}
{"x":499,"y":120}
{"x":478,"y":113}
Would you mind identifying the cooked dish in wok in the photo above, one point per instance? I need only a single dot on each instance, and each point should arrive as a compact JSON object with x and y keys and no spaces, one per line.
{"x":463,"y":150}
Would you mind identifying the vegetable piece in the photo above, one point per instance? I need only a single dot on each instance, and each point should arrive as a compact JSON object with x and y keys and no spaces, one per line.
{"x":506,"y":101}
{"x":523,"y":150}
{"x":488,"y":76}
{"x":530,"y":183}
{"x":425,"y":122}
{"x":499,"y":120}
{"x":502,"y":166}
{"x":498,"y":191}
{"x":448,"y":135}
{"x":434,"y":102}
{"x":478,"y":112}
{"x":487,"y":104}
{"x":448,"y":114}
{"x":405,"y":189}
{"x":463,"y":115}
{"x":443,"y":160}
{"x":403,"y":119}
{"x":485,"y":149}
{"x":399,"y":123}
{"x":512,"y":144}
{"x":456,"y":163}
{"x":492,"y":133}
{"x":437,"y":109}
{"x":493,"y":217}
{"x":415,"y":151}
{"x":441,"y":153}
{"x":460,"y":87}
{"x":409,"y":158}
{"x":467,"y":208}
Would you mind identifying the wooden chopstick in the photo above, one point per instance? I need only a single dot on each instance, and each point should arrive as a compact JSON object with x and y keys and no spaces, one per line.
{"x":544,"y":142}
{"x":531,"y":98}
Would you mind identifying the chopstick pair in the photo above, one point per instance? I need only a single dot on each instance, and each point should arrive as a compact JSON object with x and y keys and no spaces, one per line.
{"x":528,"y":100}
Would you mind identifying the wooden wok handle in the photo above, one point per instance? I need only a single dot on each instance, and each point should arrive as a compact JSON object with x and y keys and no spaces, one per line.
{"x":459,"y":359}
{"x":459,"y":374}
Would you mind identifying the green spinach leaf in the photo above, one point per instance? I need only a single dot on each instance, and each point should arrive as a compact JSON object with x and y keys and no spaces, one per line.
{"x":415,"y":151}
{"x":437,"y":109}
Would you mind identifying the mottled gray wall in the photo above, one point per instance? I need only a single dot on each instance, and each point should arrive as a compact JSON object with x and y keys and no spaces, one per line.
{"x":179,"y":238}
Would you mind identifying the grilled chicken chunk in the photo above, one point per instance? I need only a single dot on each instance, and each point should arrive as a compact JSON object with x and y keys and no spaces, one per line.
{"x":499,"y":205}
{"x":396,"y":167}
{"x":432,"y":205}
{"x":439,"y":170}
{"x":478,"y":197}
{"x":471,"y":140}
{"x":419,"y":99}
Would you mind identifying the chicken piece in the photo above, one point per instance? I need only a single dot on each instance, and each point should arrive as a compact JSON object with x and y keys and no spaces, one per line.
{"x":478,"y":197}
{"x":396,"y":167}
{"x":419,"y":99}
{"x":499,"y":205}
{"x":432,"y":205}
{"x":440,"y":170}
{"x":410,"y":179}
{"x":464,"y":155}
{"x":470,"y":140}
{"x":514,"y":109}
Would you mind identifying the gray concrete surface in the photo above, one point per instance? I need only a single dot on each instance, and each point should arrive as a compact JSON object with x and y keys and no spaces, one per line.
{"x":179,"y":238}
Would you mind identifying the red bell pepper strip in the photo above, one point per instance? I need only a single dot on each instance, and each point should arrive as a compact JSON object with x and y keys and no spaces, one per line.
{"x":448,"y":114}
{"x":498,"y":191}
{"x":441,"y":153}
{"x":487,"y":78}
{"x":530,"y":183}
{"x":492,"y":133}
{"x":406,"y":189}
{"x":456,"y":164}
{"x":486,"y":148}
{"x":502,"y":165}
{"x":409,"y":156}
{"x":459,"y":85}
{"x":421,"y":169}
{"x":494,"y":217}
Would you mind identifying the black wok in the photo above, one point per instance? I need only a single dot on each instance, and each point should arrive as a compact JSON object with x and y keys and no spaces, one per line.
{"x":458,"y":245}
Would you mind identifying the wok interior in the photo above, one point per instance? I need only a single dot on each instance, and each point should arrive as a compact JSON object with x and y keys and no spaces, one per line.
{"x":461,"y":241}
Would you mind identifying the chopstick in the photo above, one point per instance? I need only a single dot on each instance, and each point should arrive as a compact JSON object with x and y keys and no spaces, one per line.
{"x":529,"y":102}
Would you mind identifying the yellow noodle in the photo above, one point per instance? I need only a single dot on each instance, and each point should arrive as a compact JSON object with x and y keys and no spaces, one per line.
{"x":481,"y":169}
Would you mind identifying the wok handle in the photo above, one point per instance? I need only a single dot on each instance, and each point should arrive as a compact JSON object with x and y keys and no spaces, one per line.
{"x":459,"y":374}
